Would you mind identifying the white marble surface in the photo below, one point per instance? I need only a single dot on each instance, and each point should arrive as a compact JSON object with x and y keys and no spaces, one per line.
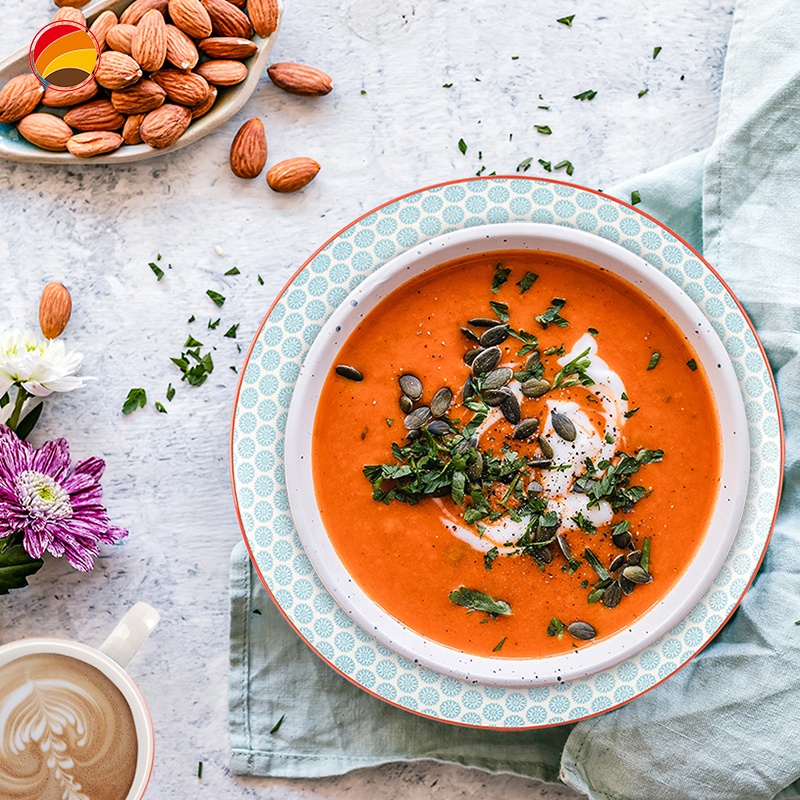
{"x":96,"y":229}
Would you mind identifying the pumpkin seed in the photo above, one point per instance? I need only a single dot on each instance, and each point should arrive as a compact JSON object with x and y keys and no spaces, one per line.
{"x":535,"y":388}
{"x":441,"y":402}
{"x":612,"y":596}
{"x":486,"y":360}
{"x":546,"y":554}
{"x":617,"y":563}
{"x":471,"y":355}
{"x":626,"y":585}
{"x":496,"y":397}
{"x":622,"y":540}
{"x":635,"y":558}
{"x":511,"y":410}
{"x":412,"y":436}
{"x":351,"y":373}
{"x":533,"y":359}
{"x":563,"y":426}
{"x":411,"y":386}
{"x":439,"y":428}
{"x":564,"y":547}
{"x":498,"y":377}
{"x":468,"y":390}
{"x":406,"y":404}
{"x":471,"y":335}
{"x":636,"y":574}
{"x":545,"y":447}
{"x":581,"y":630}
{"x":526,"y":428}
{"x":540,"y":463}
{"x":495,"y":335}
{"x":534,"y":487}
{"x":482,"y":322}
{"x":417,"y":418}
{"x":475,"y":467}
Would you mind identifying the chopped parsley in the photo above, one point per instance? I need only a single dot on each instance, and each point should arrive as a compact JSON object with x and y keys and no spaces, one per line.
{"x":636,"y":198}
{"x":219,"y":300}
{"x":213,"y":325}
{"x":231,"y":332}
{"x":447,"y":86}
{"x":656,"y":51}
{"x":233,"y":271}
{"x":567,"y":20}
{"x":160,"y":408}
{"x":629,"y":414}
{"x":613,"y":482}
{"x":137,"y":398}
{"x":473,"y":600}
{"x":556,"y":627}
{"x":553,"y":314}
{"x":500,"y":277}
{"x":528,"y":279}
{"x":545,"y":129}
{"x":260,"y":280}
{"x":157,"y":271}
{"x":589,"y":94}
{"x":489,"y":557}
{"x":573,"y":373}
{"x":499,"y":646}
{"x":642,"y":92}
{"x":654,"y":359}
{"x":277,"y":726}
{"x":462,"y":146}
{"x":501,"y":310}
{"x":568,"y":164}
{"x":585,"y":524}
{"x":170,"y":392}
{"x":546,"y":165}
{"x":692,"y":364}
{"x":192,"y":342}
{"x":525,"y":164}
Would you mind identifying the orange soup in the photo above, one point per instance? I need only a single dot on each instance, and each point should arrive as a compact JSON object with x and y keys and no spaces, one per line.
{"x":517,"y":453}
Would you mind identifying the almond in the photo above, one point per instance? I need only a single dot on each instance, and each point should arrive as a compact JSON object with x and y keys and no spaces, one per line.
{"x":141,"y":98}
{"x":55,"y":309}
{"x":96,"y":115}
{"x":292,"y":174}
{"x":181,"y":50}
{"x":227,"y":47}
{"x":300,"y":79}
{"x":164,"y":126}
{"x":191,"y":17}
{"x":71,"y":3}
{"x":227,"y":20}
{"x":19,"y":97}
{"x":62,"y":98}
{"x":150,"y":42}
{"x":72,"y":14}
{"x":238,"y":3}
{"x":45,"y":130}
{"x":138,"y":8}
{"x":264,"y":16}
{"x":116,"y":70}
{"x":130,"y":131}
{"x":183,"y":88}
{"x":93,"y":143}
{"x":120,"y":38}
{"x":249,"y":150}
{"x":222,"y":72}
{"x":205,"y":107}
{"x":101,"y":26}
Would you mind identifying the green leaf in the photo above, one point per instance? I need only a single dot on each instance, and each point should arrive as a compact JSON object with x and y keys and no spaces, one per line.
{"x":589,"y":94}
{"x":645,"y":562}
{"x":567,"y":164}
{"x":654,"y":359}
{"x":525,"y":164}
{"x":556,"y":627}
{"x":157,"y":271}
{"x":642,"y":92}
{"x":576,"y":367}
{"x":635,"y":198}
{"x":170,"y":392}
{"x":28,"y":422}
{"x":629,"y":414}
{"x":501,"y":310}
{"x":447,"y":86}
{"x":137,"y":398}
{"x":213,"y":324}
{"x":192,"y":342}
{"x":500,"y":277}
{"x":567,"y":20}
{"x":692,"y":364}
{"x":595,"y":564}
{"x":260,"y":280}
{"x":489,"y":558}
{"x":499,"y":646}
{"x":231,"y":332}
{"x":16,"y":566}
{"x":277,"y":726}
{"x":160,"y":408}
{"x":545,"y":129}
{"x":527,"y":281}
{"x":553,"y":314}
{"x":548,"y":167}
{"x":656,"y":51}
{"x":191,"y":319}
{"x":219,"y":300}
{"x":478,"y":601}
{"x":462,"y":146}
{"x":233,"y":271}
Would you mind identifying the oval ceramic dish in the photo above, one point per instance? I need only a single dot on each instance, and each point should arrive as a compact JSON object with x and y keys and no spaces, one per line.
{"x":258,"y":448}
{"x":574,"y":663}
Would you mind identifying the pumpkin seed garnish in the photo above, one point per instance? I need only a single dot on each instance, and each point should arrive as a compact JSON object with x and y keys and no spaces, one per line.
{"x":406,"y":404}
{"x":636,"y":574}
{"x":417,"y":418}
{"x":471,"y":335}
{"x":535,"y":387}
{"x":351,"y":373}
{"x":563,"y":545}
{"x":441,"y":402}
{"x":533,"y":359}
{"x":496,"y":397}
{"x":482,"y":322}
{"x":581,"y":630}
{"x":617,"y":563}
{"x":511,"y":410}
{"x":563,"y":426}
{"x":612,"y":595}
{"x":526,"y":428}
{"x":475,"y":467}
{"x":413,"y":435}
{"x":635,"y":558}
{"x":545,"y":447}
{"x":620,"y":534}
{"x":626,"y":585}
{"x":498,"y":378}
{"x":439,"y":428}
{"x":486,"y":361}
{"x":534,"y":487}
{"x":540,"y":463}
{"x":494,"y":336}
{"x":411,"y":386}
{"x":468,"y":390}
{"x":471,"y":355}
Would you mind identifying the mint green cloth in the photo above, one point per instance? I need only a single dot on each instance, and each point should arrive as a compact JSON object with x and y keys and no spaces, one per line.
{"x":724,"y":727}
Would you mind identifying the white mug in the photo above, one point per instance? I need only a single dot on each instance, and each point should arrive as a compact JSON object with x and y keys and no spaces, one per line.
{"x":111,"y":659}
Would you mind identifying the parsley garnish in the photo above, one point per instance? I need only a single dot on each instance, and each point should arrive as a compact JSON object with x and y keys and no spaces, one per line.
{"x":213,"y":325}
{"x":462,"y":146}
{"x":170,"y":392}
{"x":500,"y":277}
{"x":567,"y":164}
{"x":277,"y":726}
{"x":654,"y":359}
{"x":528,"y":279}
{"x":556,"y":350}
{"x":556,"y":627}
{"x":489,"y":557}
{"x":656,"y":51}
{"x":635,"y":198}
{"x":474,"y":600}
{"x":692,"y":364}
{"x":629,"y":414}
{"x":233,"y":271}
{"x":499,"y":645}
{"x":157,"y":271}
{"x":260,"y":280}
{"x":137,"y":398}
{"x":589,"y":94}
{"x":219,"y":300}
{"x":525,"y":164}
{"x":642,"y":92}
{"x":548,"y":167}
{"x":545,"y":129}
{"x":567,"y":20}
{"x":160,"y":408}
{"x":553,"y":314}
{"x":577,"y":367}
{"x":584,"y":523}
{"x":614,"y":483}
{"x":501,"y":310}
{"x":191,"y":319}
{"x":231,"y":332}
{"x":447,"y":86}
{"x":192,"y":342}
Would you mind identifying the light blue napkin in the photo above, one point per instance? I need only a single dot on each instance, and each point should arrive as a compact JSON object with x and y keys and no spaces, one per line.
{"x":725,"y":726}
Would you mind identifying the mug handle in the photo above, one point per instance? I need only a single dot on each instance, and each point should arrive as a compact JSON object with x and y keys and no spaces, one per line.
{"x":130,"y":634}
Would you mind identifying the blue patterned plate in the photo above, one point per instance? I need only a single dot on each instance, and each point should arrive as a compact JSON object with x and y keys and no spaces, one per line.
{"x":267,"y":384}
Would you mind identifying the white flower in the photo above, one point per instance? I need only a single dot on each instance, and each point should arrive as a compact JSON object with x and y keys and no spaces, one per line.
{"x":39,"y":365}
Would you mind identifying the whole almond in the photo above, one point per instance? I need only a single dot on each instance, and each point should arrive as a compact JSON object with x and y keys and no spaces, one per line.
{"x":96,"y":115}
{"x":300,"y":79}
{"x":164,"y":126}
{"x":141,"y":98}
{"x":227,"y":47}
{"x":93,"y":143}
{"x":138,"y":8}
{"x":249,"y":150}
{"x":238,"y":3}
{"x":19,"y":97}
{"x":45,"y":130}
{"x":264,"y":16}
{"x":55,"y":309}
{"x":181,"y":50}
{"x":72,"y":14}
{"x":205,"y":107}
{"x":150,"y":42}
{"x":116,"y":70}
{"x":292,"y":174}
{"x":183,"y":88}
{"x":63,"y":98}
{"x":222,"y":72}
{"x":71,"y":3}
{"x":191,"y":17}
{"x":101,"y":26}
{"x":227,"y":20}
{"x":130,"y":131}
{"x":120,"y":38}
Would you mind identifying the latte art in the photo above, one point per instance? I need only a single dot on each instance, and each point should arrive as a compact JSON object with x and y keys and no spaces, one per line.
{"x":66,"y":732}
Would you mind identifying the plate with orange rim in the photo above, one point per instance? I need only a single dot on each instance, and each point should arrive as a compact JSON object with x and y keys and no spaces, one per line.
{"x":258,"y":447}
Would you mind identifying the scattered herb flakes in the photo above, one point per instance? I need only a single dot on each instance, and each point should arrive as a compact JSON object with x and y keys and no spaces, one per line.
{"x":233,"y":271}
{"x":568,"y":164}
{"x":654,"y":359}
{"x":593,"y":332}
{"x":499,"y":646}
{"x":170,"y":392}
{"x":556,"y":350}
{"x":462,"y":146}
{"x":277,"y":726}
{"x":489,"y":557}
{"x":473,"y":600}
{"x":692,"y":364}
{"x":199,"y":769}
{"x":528,"y":279}
{"x":629,"y":414}
{"x":636,"y":198}
{"x":192,"y":342}
{"x":644,"y":563}
{"x":501,"y":310}
{"x":191,"y":319}
{"x":232,"y":367}
{"x":500,"y":277}
{"x":623,"y":396}
{"x":545,"y":129}
{"x":447,"y":86}
{"x":525,"y":164}
{"x":797,"y":622}
{"x":543,"y":108}
{"x":548,"y":167}
{"x":515,"y":58}
{"x":609,"y":438}
{"x":389,"y":421}
{"x":584,"y":584}
{"x":480,"y":171}
{"x":157,"y":271}
{"x":556,"y":627}
{"x":219,"y":300}
{"x":642,"y":92}
{"x":260,"y":280}
{"x":567,"y":20}
{"x":584,"y":523}
{"x":589,"y":94}
{"x":656,"y":51}
{"x":553,"y":314}
{"x":214,"y":324}
{"x":231,"y":332}
{"x":160,"y":408}
{"x":363,"y":91}
{"x":137,"y":398}
{"x":573,"y":373}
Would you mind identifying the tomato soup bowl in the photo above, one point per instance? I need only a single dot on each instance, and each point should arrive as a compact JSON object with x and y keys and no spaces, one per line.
{"x":592,"y":657}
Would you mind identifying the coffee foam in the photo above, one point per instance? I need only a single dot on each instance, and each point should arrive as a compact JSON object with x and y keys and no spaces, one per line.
{"x":66,"y":732}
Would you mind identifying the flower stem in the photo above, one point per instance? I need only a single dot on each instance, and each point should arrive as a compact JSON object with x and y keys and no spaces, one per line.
{"x":13,"y":420}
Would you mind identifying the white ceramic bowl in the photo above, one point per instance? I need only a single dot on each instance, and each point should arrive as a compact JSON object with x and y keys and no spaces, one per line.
{"x":585,"y":660}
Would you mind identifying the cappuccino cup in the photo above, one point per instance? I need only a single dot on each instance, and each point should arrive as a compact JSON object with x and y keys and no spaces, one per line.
{"x":73,"y":724}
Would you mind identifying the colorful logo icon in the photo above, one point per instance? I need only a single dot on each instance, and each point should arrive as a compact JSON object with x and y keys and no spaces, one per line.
{"x":64,"y":55}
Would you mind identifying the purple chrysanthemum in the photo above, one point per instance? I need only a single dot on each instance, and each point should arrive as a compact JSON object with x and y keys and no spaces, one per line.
{"x":55,"y":505}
